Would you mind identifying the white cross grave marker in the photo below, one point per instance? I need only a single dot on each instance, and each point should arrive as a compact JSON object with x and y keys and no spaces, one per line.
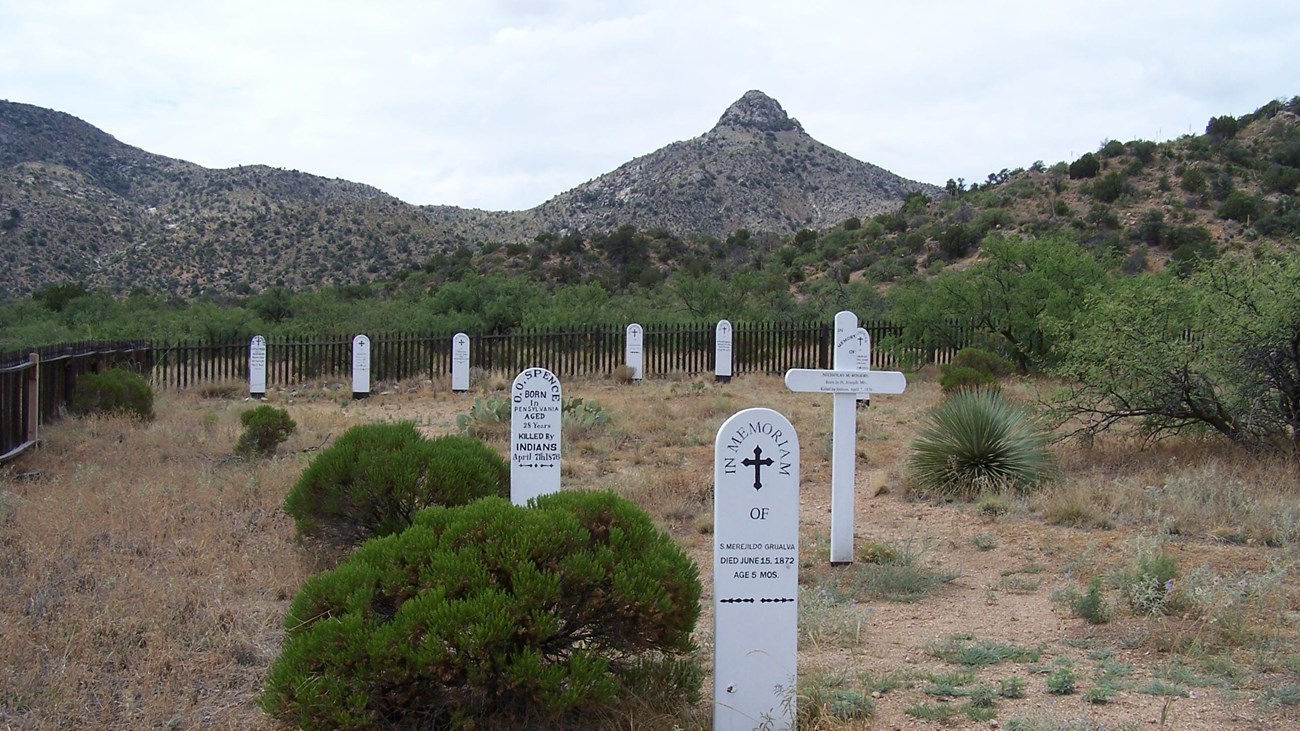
{"x":755,"y":571}
{"x":360,"y":367}
{"x":460,"y":363}
{"x":535,"y":423}
{"x":847,"y":384}
{"x":257,"y":367}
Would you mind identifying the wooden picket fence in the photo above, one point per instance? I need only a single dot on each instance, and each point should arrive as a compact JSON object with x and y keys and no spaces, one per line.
{"x":36,"y":385}
{"x":686,"y":349}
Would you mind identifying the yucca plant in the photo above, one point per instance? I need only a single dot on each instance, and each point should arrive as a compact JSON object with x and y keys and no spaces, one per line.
{"x":976,"y":442}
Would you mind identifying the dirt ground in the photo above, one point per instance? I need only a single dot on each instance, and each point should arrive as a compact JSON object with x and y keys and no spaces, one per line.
{"x":1010,"y":567}
{"x":985,"y":600}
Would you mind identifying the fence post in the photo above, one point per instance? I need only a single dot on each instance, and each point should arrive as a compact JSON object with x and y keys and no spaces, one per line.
{"x":34,"y":398}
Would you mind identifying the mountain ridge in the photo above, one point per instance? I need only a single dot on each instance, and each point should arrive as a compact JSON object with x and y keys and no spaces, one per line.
{"x":77,"y":205}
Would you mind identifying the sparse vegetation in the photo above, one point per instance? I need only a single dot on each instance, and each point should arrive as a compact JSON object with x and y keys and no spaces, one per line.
{"x":1158,"y":284}
{"x":115,"y":391}
{"x":1090,"y":604}
{"x":265,"y":428}
{"x":204,"y":565}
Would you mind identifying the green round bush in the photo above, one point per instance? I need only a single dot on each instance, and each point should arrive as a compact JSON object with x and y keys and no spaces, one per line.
{"x":376,"y":477}
{"x":954,"y":379}
{"x":265,"y":427}
{"x":492,"y":616}
{"x":976,"y":441}
{"x":983,"y":361}
{"x":115,"y":391}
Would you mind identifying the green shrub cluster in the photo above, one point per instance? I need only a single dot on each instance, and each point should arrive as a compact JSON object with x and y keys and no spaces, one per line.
{"x":265,"y":428}
{"x":972,"y":369}
{"x":376,"y":477}
{"x":115,"y":391}
{"x":976,"y":442}
{"x":492,"y":615}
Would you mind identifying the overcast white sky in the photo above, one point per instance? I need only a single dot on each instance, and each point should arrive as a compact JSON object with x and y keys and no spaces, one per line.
{"x":502,"y":104}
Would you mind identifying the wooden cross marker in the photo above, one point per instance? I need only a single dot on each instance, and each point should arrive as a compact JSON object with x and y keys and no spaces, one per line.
{"x":846,"y":384}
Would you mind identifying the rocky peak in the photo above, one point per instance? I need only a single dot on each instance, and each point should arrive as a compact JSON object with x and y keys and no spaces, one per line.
{"x":757,"y":111}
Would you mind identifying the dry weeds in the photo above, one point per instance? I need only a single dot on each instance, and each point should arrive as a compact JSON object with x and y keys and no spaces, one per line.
{"x":146,"y":570}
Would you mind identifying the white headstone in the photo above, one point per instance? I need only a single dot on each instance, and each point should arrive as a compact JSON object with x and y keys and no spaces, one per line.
{"x":633,"y":353}
{"x":722,"y":351}
{"x":460,"y":363}
{"x":755,"y":571}
{"x":360,"y":366}
{"x":845,"y":385}
{"x":535,"y":422}
{"x":257,"y":367}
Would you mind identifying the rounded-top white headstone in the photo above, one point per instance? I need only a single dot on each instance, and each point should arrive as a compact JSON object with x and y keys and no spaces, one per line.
{"x":360,"y":366}
{"x":460,"y":363}
{"x":257,"y":367}
{"x":755,"y":570}
{"x":634,"y":351}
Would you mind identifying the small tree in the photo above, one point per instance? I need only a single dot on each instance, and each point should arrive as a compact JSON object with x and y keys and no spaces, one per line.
{"x":1219,"y":351}
{"x":1013,"y":294}
{"x":1086,"y":166}
{"x":1222,"y":128}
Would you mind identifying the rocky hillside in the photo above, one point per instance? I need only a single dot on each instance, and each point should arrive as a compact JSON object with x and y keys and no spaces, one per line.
{"x":757,"y":169}
{"x":77,"y":205}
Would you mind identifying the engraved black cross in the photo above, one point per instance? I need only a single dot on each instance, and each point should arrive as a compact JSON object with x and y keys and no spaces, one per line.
{"x":757,"y":464}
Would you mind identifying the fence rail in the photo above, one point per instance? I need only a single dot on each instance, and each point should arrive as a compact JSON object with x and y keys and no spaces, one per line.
{"x":37,"y":385}
{"x":592,"y":351}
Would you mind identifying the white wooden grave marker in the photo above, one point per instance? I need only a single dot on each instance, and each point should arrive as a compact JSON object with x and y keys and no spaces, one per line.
{"x":535,"y":422}
{"x":360,"y":367}
{"x":633,"y":352}
{"x":755,"y":571}
{"x":862,"y":357}
{"x":257,"y":367}
{"x":847,"y":384}
{"x":460,"y":363}
{"x":722,"y":351}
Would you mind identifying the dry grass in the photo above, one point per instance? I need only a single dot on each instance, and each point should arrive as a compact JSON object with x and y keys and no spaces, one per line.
{"x":146,"y":570}
{"x":1204,"y":490}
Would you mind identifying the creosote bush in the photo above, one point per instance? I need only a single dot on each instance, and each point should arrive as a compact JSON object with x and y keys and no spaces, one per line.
{"x":954,"y":379}
{"x":492,"y":616}
{"x":376,"y":477}
{"x":115,"y":391}
{"x":973,"y":369}
{"x":265,"y":427}
{"x":976,"y":442}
